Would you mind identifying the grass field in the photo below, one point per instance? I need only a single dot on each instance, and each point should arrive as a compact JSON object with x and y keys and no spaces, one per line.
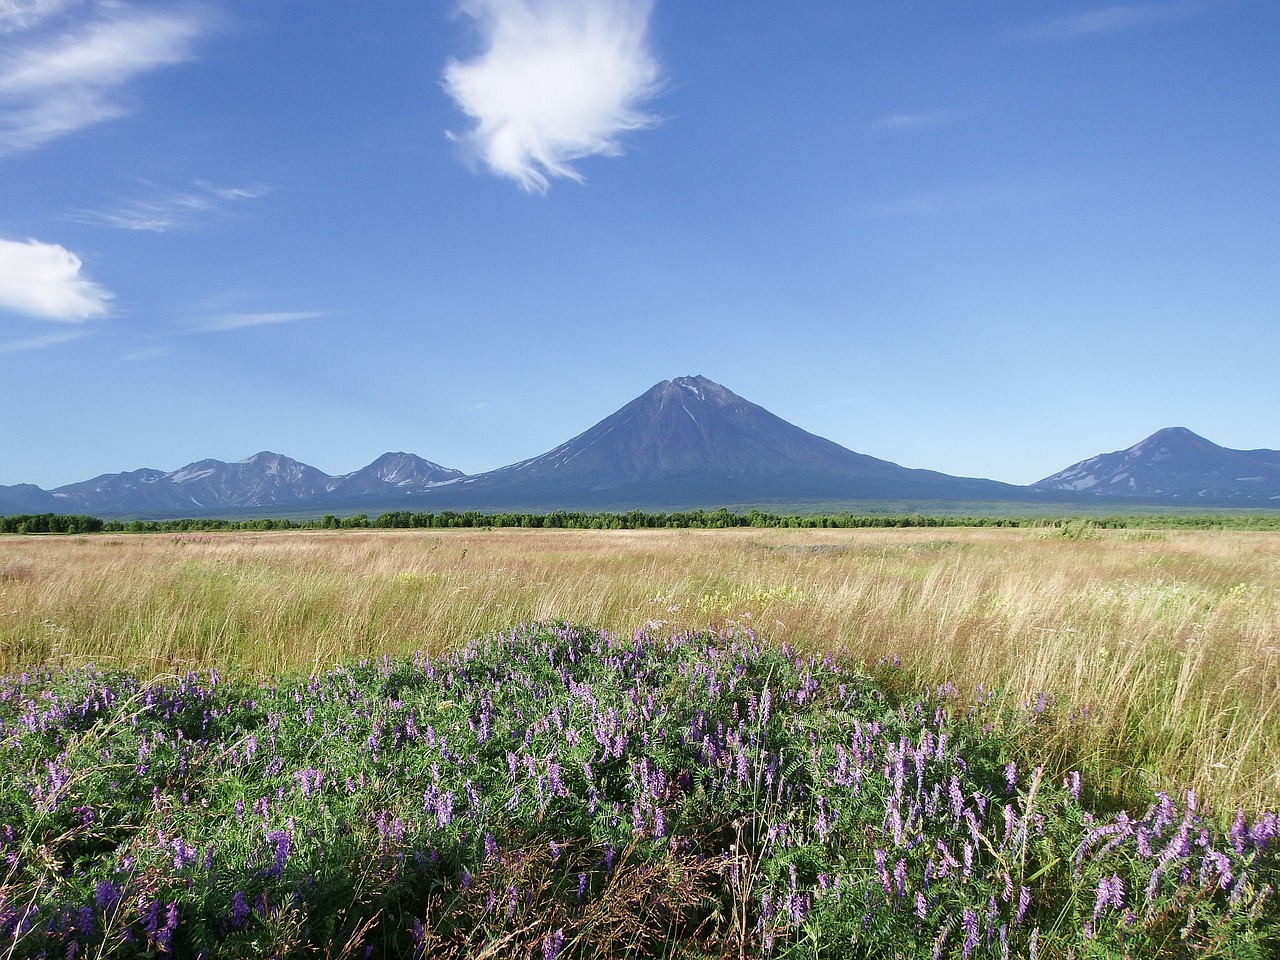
{"x":1157,"y":654}
{"x":768,"y":743}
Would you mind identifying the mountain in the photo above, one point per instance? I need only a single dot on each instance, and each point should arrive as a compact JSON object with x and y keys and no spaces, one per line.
{"x":684,"y":443}
{"x":27,"y":498}
{"x":393,"y":474}
{"x":206,"y":485}
{"x":1175,"y":464}
{"x":692,"y":442}
{"x":262,"y":483}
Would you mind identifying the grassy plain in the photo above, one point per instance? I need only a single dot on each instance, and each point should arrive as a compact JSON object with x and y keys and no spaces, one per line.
{"x":1156,"y":655}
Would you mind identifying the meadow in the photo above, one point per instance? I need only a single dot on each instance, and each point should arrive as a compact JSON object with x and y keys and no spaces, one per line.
{"x":906,"y":742}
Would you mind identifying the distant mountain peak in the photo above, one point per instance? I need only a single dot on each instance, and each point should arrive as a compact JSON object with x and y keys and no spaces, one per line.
{"x":698,"y":385}
{"x":1174,"y":463}
{"x":685,"y":442}
{"x":691,"y":440}
{"x":1174,"y":435}
{"x":401,"y":469}
{"x":265,"y":480}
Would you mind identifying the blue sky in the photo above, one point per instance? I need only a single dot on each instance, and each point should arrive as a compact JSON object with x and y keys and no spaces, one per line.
{"x":989,"y":238}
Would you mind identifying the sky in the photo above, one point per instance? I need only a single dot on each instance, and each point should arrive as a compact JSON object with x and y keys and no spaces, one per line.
{"x":989,"y":238}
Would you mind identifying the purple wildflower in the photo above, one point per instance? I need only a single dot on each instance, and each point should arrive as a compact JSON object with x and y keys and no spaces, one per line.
{"x":106,"y":895}
{"x":956,"y":797}
{"x":1110,"y":894}
{"x":882,"y":871}
{"x":239,"y":910}
{"x":164,"y":936}
{"x":1073,"y":785}
{"x":1239,"y":834}
{"x":797,"y":907}
{"x":183,"y":854}
{"x":84,"y":921}
{"x":969,"y":923}
{"x":444,"y":808}
{"x":1266,"y":829}
{"x":282,"y":842}
{"x":552,"y":944}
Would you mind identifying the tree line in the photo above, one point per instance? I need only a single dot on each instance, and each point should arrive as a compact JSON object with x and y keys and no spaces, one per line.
{"x":630,"y":520}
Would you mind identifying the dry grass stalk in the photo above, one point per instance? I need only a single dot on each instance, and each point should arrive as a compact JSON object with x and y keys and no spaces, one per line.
{"x":1171,"y":645}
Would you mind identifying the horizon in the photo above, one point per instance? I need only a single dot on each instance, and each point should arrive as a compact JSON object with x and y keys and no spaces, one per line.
{"x":467,"y":475}
{"x":990,"y":243}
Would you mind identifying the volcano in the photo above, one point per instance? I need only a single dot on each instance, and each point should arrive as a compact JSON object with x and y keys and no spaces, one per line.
{"x":691,"y":441}
{"x":1174,"y":464}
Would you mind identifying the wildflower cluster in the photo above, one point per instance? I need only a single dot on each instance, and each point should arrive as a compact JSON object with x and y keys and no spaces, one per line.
{"x":554,"y":791}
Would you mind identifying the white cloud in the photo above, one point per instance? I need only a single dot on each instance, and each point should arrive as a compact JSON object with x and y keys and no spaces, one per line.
{"x":37,"y":343}
{"x":239,"y":321}
{"x":1109,"y":20}
{"x":558,"y":80}
{"x":919,"y":120}
{"x":974,"y":199}
{"x":53,"y":85}
{"x":24,"y":14}
{"x":166,"y":210}
{"x":43,"y":280}
{"x":145,"y":354}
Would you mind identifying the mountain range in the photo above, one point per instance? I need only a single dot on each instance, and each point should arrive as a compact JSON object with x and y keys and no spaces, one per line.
{"x":687,"y":442}
{"x":1175,"y":464}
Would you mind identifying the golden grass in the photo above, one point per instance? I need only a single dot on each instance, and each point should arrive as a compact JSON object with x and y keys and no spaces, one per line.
{"x":1170,"y":642}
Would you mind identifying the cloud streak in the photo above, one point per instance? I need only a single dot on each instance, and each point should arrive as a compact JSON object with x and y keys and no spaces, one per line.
{"x":944,"y":203}
{"x":557,"y":81}
{"x":55,"y":84}
{"x":24,"y":14}
{"x":40,"y":342}
{"x":43,"y":280}
{"x":166,"y":210}
{"x":241,"y":321}
{"x":1113,"y":19}
{"x":919,"y":120}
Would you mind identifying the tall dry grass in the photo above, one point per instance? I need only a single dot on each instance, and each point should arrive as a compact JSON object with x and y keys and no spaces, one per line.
{"x":1160,"y":653}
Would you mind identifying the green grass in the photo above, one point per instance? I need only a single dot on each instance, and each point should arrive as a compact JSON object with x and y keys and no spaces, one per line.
{"x":1159,"y":649}
{"x":555,"y":791}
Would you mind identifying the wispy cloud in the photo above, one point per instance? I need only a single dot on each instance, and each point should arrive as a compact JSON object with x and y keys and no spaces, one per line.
{"x":917,"y":120}
{"x":24,"y":14}
{"x":164,"y":210}
{"x":1111,"y":19}
{"x":43,"y":280}
{"x":241,"y":321}
{"x":54,"y":83}
{"x":40,"y":342}
{"x":946,"y":202}
{"x":145,"y":354}
{"x":558,"y":80}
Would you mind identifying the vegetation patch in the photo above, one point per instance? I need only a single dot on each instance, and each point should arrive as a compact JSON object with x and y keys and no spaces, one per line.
{"x":554,"y":791}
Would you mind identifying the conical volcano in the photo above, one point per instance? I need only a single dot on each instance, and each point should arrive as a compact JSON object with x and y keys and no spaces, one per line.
{"x":691,"y":441}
